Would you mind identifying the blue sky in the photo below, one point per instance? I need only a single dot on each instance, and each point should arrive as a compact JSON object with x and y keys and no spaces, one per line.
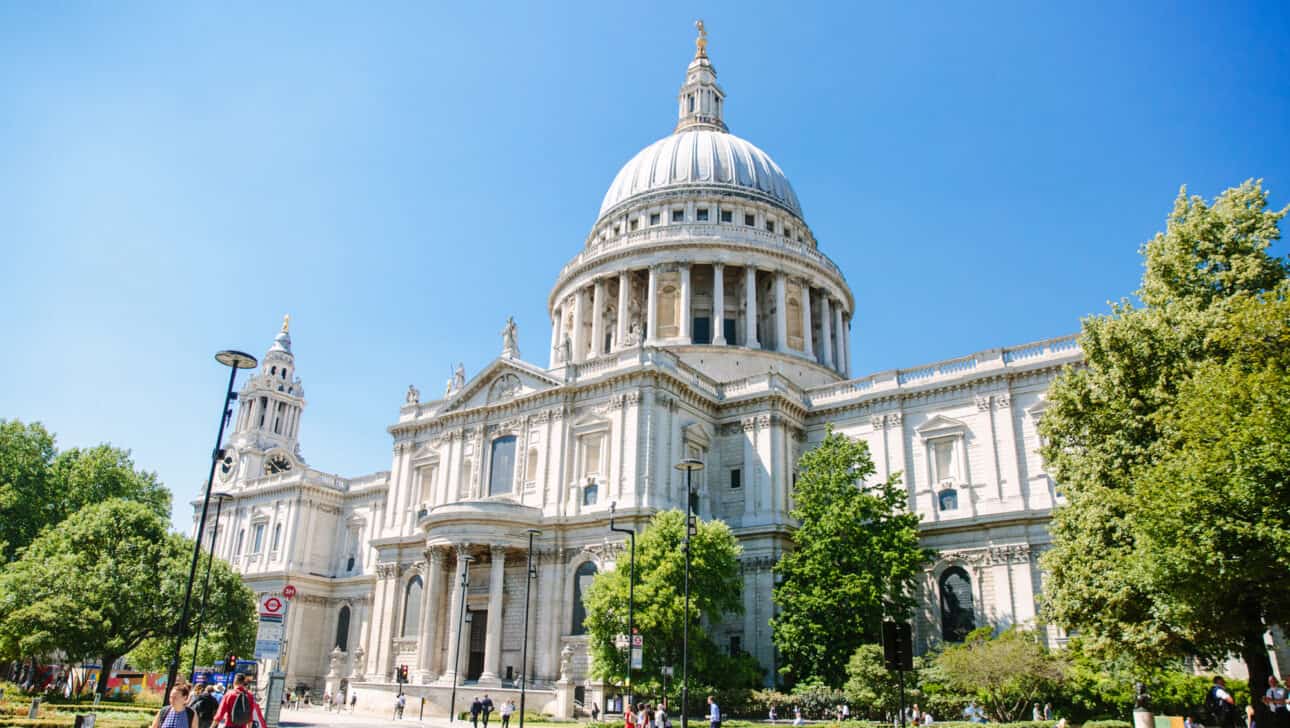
{"x":401,"y":177}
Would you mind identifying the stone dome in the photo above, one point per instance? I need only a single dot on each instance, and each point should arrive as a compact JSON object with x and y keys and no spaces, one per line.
{"x":702,"y":157}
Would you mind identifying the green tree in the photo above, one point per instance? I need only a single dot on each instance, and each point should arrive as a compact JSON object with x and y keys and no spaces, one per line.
{"x":1161,"y":551}
{"x":105,"y":581}
{"x":40,"y":486}
{"x":855,"y":560}
{"x":1007,"y":673}
{"x":659,"y":615}
{"x":873,"y":691}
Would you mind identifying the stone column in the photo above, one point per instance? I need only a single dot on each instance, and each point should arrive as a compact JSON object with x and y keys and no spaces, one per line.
{"x":718,"y":304}
{"x":807,"y":348}
{"x":598,"y":319}
{"x":624,"y":302}
{"x":750,"y":308}
{"x":579,"y":334}
{"x":781,"y":312}
{"x":826,"y":331}
{"x":846,"y":346}
{"x":686,"y":316}
{"x":493,"y":640}
{"x":430,"y":612}
{"x":837,"y":333}
{"x":449,"y":675}
{"x":556,"y":316}
{"x":651,"y":307}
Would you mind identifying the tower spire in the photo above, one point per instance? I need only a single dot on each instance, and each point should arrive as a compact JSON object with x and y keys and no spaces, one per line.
{"x":701,"y":99}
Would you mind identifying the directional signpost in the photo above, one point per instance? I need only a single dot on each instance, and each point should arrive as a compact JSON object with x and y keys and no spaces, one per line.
{"x":638,"y":652}
{"x":268,"y":638}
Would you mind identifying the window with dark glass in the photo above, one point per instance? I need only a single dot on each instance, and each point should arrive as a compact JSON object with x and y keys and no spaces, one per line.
{"x":957,"y":617}
{"x":737,"y":478}
{"x":728,"y":330}
{"x":770,"y":225}
{"x":678,"y":216}
{"x":949,"y":499}
{"x":701,"y":214}
{"x":411,"y":606}
{"x":654,"y":218}
{"x":342,"y":629}
{"x":501,"y":472}
{"x":582,"y":579}
{"x":736,"y":645}
{"x":727,"y":216}
{"x":750,"y":219}
{"x":702,"y":330}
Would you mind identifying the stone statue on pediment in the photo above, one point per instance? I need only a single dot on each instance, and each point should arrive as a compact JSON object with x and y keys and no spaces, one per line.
{"x":459,"y":377}
{"x":413,"y":395}
{"x":510,"y":346}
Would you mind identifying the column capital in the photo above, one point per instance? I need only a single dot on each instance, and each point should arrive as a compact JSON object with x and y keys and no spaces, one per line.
{"x":436,"y":555}
{"x":497,"y":552}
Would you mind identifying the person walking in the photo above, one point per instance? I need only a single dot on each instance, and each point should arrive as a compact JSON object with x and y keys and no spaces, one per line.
{"x":238,"y":708}
{"x":629,"y":717}
{"x":204,"y":705}
{"x":797,"y":717}
{"x":507,"y":709}
{"x":176,"y":714}
{"x":1036,"y":714}
{"x":595,"y":712}
{"x":487,"y":705}
{"x":660,"y":716}
{"x":771,"y":714}
{"x":1275,"y":698}
{"x":476,"y":707}
{"x":353,"y":700}
{"x":714,"y":713}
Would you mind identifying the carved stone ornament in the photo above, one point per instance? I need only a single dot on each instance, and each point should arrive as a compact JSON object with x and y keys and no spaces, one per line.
{"x":387,"y":571}
{"x":876,"y":421}
{"x":566,"y":663}
{"x":982,"y":402}
{"x":1002,"y":400}
{"x":503,"y":388}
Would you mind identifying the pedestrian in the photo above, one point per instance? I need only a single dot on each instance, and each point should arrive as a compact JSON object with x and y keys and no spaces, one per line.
{"x":797,"y":716}
{"x":660,"y":716}
{"x":204,"y":705}
{"x":714,"y":713}
{"x":507,"y":708}
{"x":595,"y":711}
{"x":176,"y":714}
{"x":629,"y":717}
{"x":771,"y":714}
{"x":400,"y":704}
{"x":353,"y":700}
{"x":1036,"y":714}
{"x":1048,"y":711}
{"x":476,"y":707}
{"x":846,"y":712}
{"x":643,"y":717}
{"x":487,"y":705}
{"x":238,"y":708}
{"x":1221,"y":705}
{"x":1275,"y":698}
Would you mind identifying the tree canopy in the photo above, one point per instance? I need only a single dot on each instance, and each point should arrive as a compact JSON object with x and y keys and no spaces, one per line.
{"x":854,"y":563}
{"x":659,"y":616}
{"x":40,"y":486}
{"x":1008,"y":673}
{"x":106,"y":580}
{"x":1170,"y":445}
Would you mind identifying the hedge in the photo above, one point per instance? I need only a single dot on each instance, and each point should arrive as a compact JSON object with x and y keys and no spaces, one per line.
{"x":1108,"y":724}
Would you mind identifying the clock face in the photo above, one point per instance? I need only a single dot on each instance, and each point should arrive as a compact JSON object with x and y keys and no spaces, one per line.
{"x":277,"y":464}
{"x":228,"y":465}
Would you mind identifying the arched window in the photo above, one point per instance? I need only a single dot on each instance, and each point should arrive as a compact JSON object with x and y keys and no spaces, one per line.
{"x":501,"y":467}
{"x":342,"y":629}
{"x":411,"y":607}
{"x":581,"y":583}
{"x":957,"y":617}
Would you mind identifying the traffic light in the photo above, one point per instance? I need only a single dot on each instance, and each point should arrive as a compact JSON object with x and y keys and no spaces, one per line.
{"x":230,"y":663}
{"x":403,"y":673}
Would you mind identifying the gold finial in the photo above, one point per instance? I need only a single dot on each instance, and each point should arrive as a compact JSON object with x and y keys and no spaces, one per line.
{"x":701,"y":43}
{"x":286,"y":323}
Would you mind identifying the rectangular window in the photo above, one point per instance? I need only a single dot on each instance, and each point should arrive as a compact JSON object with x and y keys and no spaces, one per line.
{"x":727,"y":216}
{"x":750,"y":219}
{"x":635,"y":223}
{"x":678,"y":216}
{"x":701,"y":214}
{"x":591,"y":455}
{"x":728,"y":330}
{"x":943,"y":460}
{"x":257,"y":541}
{"x":770,"y":226}
{"x":702,"y":330}
{"x":616,"y":230}
{"x":788,"y":232}
{"x":654,"y":218}
{"x":736,"y":645}
{"x":736,"y":478}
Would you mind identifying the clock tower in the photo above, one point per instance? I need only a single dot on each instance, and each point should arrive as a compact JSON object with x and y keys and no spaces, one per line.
{"x":265,"y":438}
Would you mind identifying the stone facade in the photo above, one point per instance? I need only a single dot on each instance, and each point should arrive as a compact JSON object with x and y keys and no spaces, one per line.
{"x":700,"y":320}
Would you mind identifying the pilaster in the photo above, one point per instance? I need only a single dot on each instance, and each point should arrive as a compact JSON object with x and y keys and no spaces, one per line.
{"x":718,"y":304}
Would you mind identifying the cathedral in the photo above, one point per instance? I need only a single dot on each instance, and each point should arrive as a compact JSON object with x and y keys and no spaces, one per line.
{"x":701,"y":319}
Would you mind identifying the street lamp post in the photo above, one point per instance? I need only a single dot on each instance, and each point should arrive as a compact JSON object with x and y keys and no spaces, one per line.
{"x":631,"y":598}
{"x":461,"y":621}
{"x":234,"y":360}
{"x":524,"y":651}
{"x":220,"y":498}
{"x":689,"y":465}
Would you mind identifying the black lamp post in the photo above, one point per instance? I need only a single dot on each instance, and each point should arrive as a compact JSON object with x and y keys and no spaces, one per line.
{"x":206,"y":585}
{"x":524,"y":651}
{"x":461,"y":621}
{"x":631,"y":598}
{"x":234,"y":360}
{"x":689,"y":465}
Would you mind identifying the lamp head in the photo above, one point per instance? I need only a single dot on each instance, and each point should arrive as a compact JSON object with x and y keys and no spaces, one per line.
{"x":533,"y":532}
{"x":613,"y":506}
{"x":690,"y":464}
{"x":236,"y":359}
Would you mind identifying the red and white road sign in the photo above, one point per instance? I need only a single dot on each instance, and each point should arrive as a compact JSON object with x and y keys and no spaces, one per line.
{"x":289,"y":592}
{"x":271,"y":606}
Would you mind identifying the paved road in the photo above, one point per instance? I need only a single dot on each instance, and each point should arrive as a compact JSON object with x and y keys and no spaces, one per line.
{"x":311,"y":717}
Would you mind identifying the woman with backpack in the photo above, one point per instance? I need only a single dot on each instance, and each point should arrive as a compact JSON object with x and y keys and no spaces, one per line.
{"x":177,"y":714}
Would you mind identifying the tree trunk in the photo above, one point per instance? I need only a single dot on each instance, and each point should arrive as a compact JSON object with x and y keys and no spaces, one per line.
{"x":102,"y":686}
{"x":1255,"y":654}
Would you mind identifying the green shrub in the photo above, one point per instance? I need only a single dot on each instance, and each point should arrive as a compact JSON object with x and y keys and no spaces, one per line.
{"x":1108,"y":724}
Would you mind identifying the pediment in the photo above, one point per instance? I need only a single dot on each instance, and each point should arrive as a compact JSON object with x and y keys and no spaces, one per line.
{"x":940,"y":426}
{"x":500,"y":381}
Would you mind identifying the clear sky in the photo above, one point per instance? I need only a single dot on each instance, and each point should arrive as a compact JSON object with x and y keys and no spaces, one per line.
{"x":401,"y":177}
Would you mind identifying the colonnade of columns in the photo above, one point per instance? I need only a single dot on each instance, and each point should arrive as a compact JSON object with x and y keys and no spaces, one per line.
{"x":776,"y":311}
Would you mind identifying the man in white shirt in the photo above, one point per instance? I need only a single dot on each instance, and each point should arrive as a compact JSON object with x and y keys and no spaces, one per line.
{"x":1275,"y":698}
{"x":714,"y":713}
